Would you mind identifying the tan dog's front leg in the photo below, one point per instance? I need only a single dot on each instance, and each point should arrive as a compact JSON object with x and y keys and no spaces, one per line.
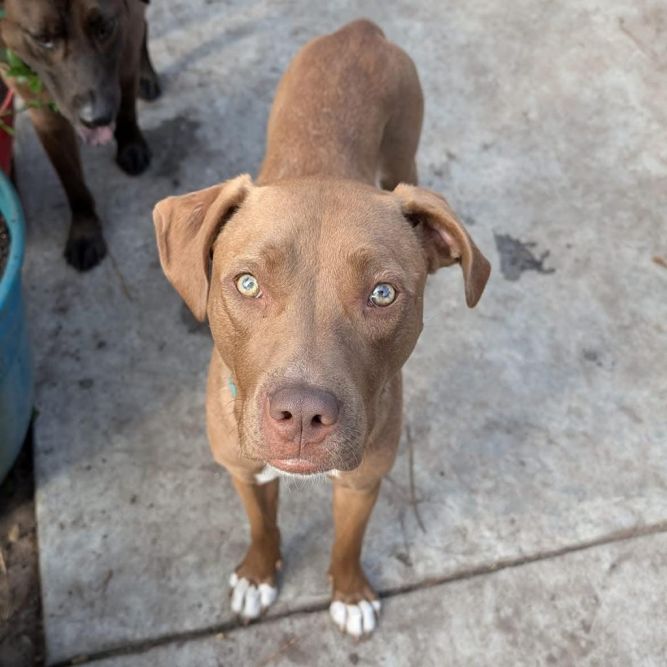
{"x":354,"y":605}
{"x":253,"y":583}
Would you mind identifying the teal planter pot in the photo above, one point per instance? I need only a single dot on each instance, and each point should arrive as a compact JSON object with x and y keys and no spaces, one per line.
{"x":16,"y":374}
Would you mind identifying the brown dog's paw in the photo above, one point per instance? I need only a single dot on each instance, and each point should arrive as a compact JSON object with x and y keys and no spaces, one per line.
{"x":85,"y":248}
{"x":149,"y":86}
{"x":134,"y":157}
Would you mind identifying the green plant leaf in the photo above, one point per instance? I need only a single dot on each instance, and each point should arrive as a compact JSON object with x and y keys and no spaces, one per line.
{"x":7,"y":128}
{"x":35,"y":84}
{"x":12,"y":58}
{"x":24,"y":75}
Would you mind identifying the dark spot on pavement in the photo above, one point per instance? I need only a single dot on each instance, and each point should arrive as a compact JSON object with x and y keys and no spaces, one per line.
{"x":192,"y":324}
{"x":517,"y":257}
{"x":86,"y":383}
{"x":403,"y":558}
{"x":61,"y":306}
{"x":293,"y":653}
{"x":171,"y":142}
{"x":592,"y":355}
{"x":353,"y":658}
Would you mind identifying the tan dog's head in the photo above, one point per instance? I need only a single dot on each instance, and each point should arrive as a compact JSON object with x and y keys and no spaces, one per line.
{"x":313,"y":290}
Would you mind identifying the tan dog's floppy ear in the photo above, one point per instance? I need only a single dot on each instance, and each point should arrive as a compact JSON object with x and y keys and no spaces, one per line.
{"x":186,"y":227}
{"x":444,"y":238}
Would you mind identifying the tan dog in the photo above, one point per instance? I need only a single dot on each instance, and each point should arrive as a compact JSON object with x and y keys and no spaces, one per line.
{"x":313,"y":283}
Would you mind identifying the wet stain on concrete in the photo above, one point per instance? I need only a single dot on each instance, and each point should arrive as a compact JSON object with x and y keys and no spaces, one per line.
{"x":592,"y":356}
{"x":517,"y":257}
{"x":598,"y":358}
{"x":403,"y":558}
{"x":171,"y":142}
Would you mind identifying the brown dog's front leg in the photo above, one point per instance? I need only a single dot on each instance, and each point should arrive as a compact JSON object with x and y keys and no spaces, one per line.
{"x":253,"y":583}
{"x":354,"y":605}
{"x":133,"y":155}
{"x":85,"y":244}
{"x":149,"y":82}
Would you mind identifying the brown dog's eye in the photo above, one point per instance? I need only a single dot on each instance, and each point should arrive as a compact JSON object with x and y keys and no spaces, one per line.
{"x":45,"y":41}
{"x":103,"y":29}
{"x":383,"y":294}
{"x":248,"y":285}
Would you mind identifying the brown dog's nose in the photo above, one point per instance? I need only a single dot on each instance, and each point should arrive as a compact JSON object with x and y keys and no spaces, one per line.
{"x":299,"y":413}
{"x":94,"y":111}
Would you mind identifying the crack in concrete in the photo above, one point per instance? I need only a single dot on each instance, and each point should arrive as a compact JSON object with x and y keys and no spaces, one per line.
{"x":411,"y":466}
{"x":143,"y":646}
{"x":636,"y":41}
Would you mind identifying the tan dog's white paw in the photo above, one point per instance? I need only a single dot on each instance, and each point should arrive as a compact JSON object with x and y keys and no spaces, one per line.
{"x":248,"y":600}
{"x":356,"y":620}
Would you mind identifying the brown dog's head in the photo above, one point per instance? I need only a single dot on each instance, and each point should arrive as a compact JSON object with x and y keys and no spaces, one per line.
{"x":75,"y":47}
{"x":313,"y":290}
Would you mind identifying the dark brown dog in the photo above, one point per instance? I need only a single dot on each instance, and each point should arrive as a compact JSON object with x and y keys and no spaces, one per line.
{"x":92,"y":59}
{"x":313,"y":283}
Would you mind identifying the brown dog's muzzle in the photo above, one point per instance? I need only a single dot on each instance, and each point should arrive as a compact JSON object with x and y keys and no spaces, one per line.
{"x":297,"y":420}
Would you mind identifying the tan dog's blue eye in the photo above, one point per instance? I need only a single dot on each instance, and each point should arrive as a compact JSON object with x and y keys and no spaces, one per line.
{"x":247,"y":284}
{"x":383,"y":294}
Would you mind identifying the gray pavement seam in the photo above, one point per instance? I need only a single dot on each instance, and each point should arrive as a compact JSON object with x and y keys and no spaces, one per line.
{"x":145,"y":645}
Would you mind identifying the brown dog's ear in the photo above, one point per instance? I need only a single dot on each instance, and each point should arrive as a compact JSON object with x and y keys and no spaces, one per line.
{"x":186,"y":227}
{"x":444,"y":239}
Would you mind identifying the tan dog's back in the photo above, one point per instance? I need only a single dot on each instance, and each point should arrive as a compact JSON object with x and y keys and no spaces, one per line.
{"x":349,"y":106}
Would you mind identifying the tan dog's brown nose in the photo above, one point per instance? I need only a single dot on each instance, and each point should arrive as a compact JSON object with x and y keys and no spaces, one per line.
{"x":302,"y":414}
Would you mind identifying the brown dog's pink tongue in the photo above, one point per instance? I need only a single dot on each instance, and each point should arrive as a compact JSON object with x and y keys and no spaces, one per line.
{"x":96,"y":136}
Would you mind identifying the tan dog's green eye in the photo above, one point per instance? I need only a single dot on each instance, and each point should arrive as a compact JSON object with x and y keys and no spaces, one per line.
{"x":383,"y":294}
{"x":247,"y":284}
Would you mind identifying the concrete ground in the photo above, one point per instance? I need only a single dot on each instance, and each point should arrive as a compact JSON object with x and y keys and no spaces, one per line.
{"x":531,"y":530}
